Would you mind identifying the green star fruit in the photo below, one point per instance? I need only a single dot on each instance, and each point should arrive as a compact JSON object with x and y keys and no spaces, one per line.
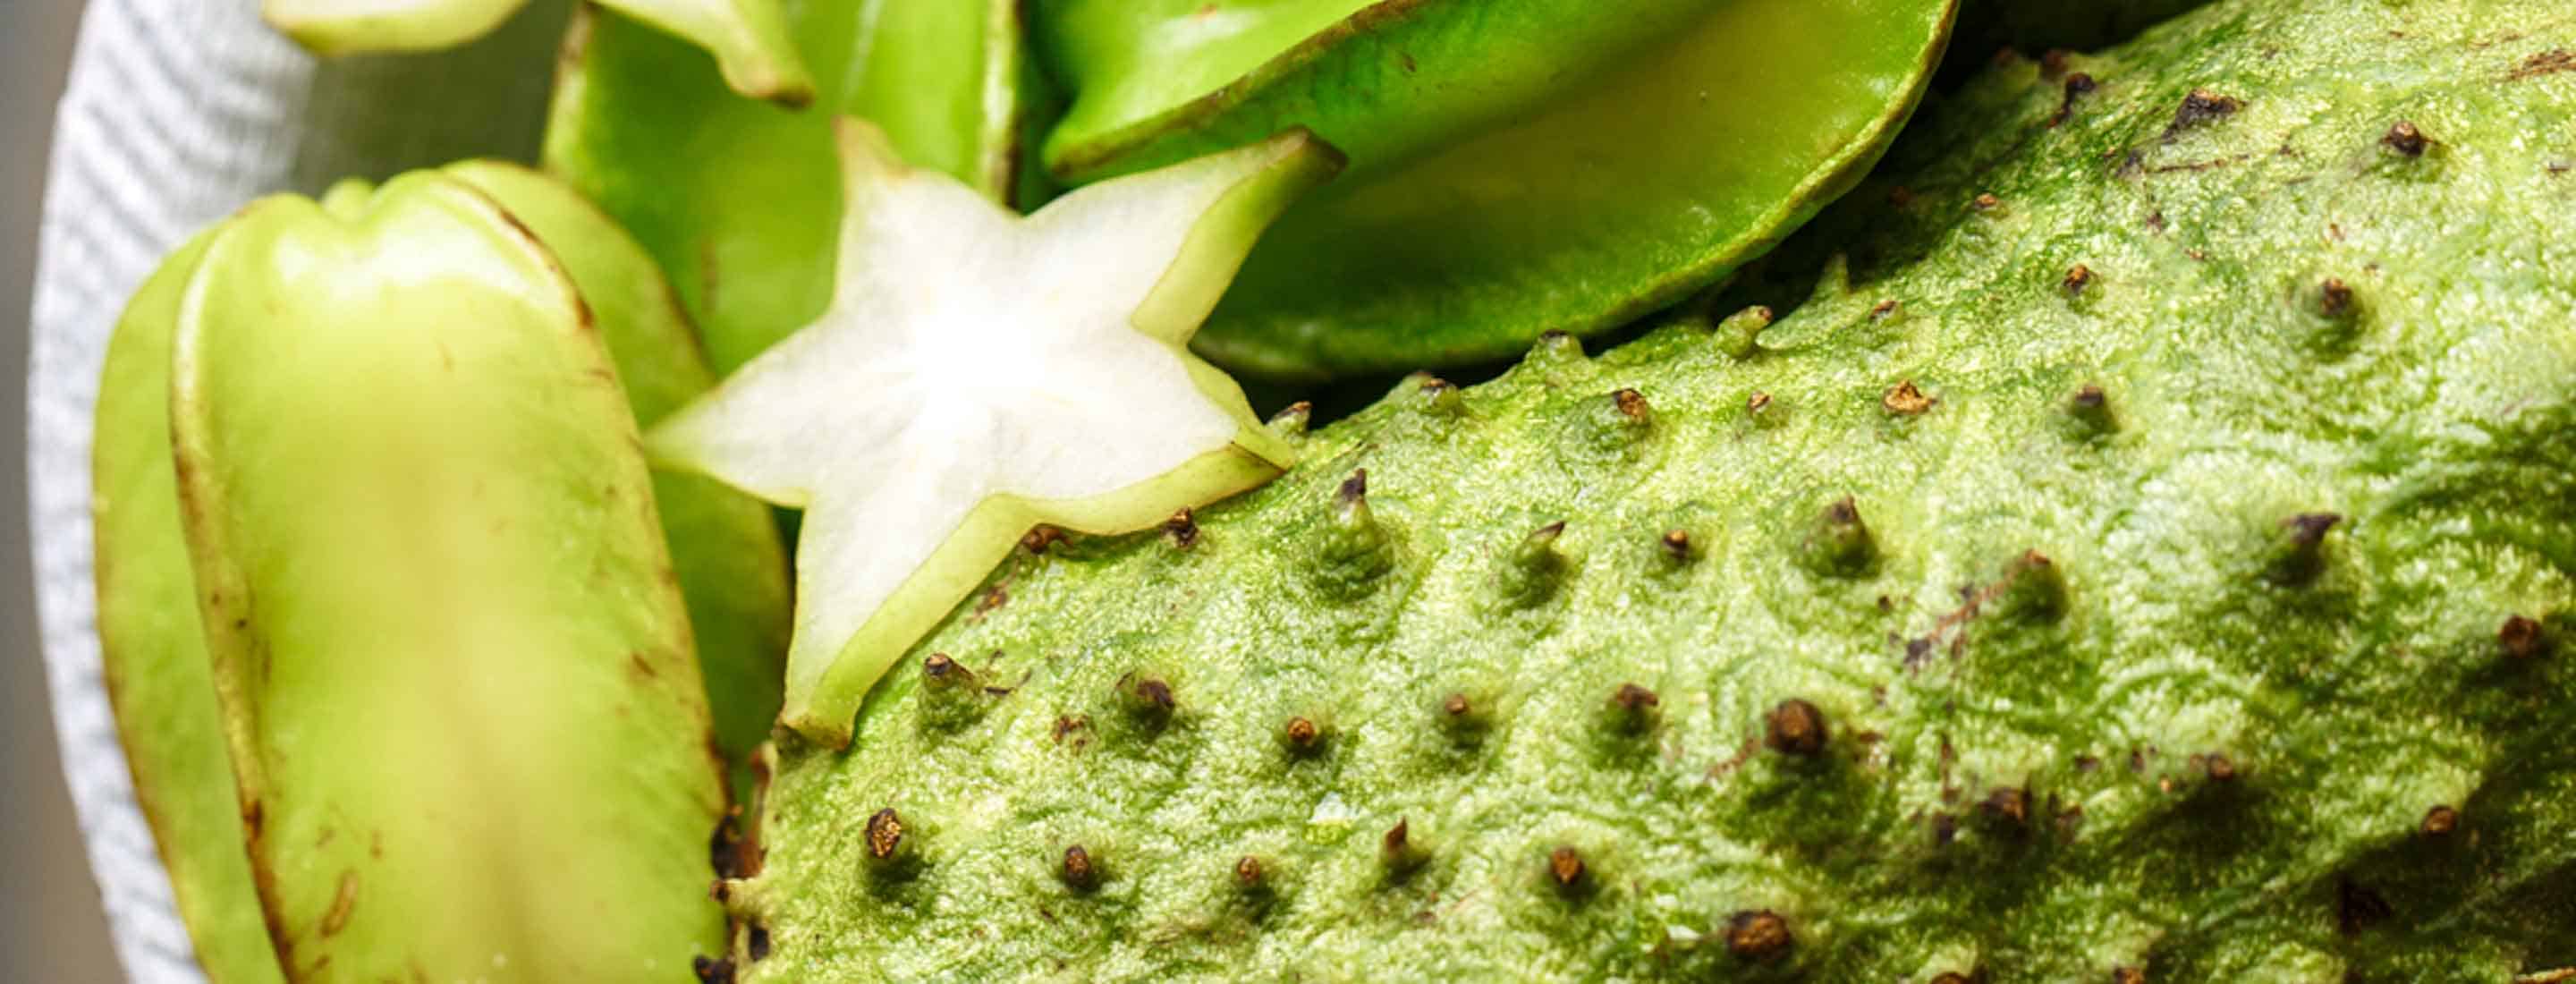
{"x":748,"y":38}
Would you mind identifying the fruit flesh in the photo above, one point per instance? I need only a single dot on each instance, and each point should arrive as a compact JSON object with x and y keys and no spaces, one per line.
{"x":2212,"y":736}
{"x":738,"y":200}
{"x":454,"y":669}
{"x":154,"y":653}
{"x":1516,"y":167}
{"x":980,"y":373}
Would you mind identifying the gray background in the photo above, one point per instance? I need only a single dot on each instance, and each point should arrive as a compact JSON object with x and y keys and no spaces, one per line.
{"x":50,"y":926}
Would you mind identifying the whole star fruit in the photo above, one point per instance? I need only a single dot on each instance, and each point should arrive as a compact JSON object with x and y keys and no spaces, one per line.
{"x":1516,"y":167}
{"x":749,"y":39}
{"x":452,"y":664}
{"x":2149,"y":558}
{"x":739,"y":201}
{"x":726,"y":554}
{"x":980,"y":373}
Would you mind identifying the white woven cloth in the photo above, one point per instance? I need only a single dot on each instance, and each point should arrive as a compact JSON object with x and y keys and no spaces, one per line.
{"x":176,"y":113}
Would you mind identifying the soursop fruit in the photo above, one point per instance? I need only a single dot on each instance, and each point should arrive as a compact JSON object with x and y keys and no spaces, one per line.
{"x":2148,"y":555}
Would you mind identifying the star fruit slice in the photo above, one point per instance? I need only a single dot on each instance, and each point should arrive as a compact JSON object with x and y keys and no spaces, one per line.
{"x":453,"y":668}
{"x":979,"y":373}
{"x":749,"y":38}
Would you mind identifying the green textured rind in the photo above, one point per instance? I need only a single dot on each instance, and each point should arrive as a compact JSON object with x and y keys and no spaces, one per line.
{"x":153,"y":650}
{"x":724,"y":547}
{"x":2229,"y":739}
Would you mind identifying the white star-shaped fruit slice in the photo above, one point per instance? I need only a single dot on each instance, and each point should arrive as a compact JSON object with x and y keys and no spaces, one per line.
{"x":979,"y":373}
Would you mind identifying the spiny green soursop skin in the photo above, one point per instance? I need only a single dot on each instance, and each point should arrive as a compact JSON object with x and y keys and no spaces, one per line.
{"x":2154,"y":564}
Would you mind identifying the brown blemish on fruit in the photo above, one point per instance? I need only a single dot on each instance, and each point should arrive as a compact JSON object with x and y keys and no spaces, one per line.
{"x":2521,"y":638}
{"x":1677,"y":544}
{"x":884,"y":834}
{"x":2128,"y":975}
{"x":1884,"y":310}
{"x":1565,"y":865}
{"x":1757,"y":403}
{"x":1182,"y":530}
{"x":2220,"y":768}
{"x":1293,"y":419}
{"x":2440,"y":821}
{"x":994,"y":598}
{"x":2011,"y":805}
{"x":2202,"y":106}
{"x":342,"y":901}
{"x":1985,"y":202}
{"x":1040,"y":537}
{"x":712,"y":970}
{"x":2334,"y":298}
{"x":1302,"y":735}
{"x":1759,"y":935}
{"x":1068,"y":725}
{"x":1795,"y":728}
{"x":2300,"y":557}
{"x":1631,"y":404}
{"x":2547,"y":62}
{"x":1906,"y":400}
{"x":757,"y":943}
{"x":2077,"y":86}
{"x":1248,"y":874}
{"x":1077,"y":871}
{"x":2405,"y":140}
{"x":1353,"y":489}
{"x":2077,"y":278}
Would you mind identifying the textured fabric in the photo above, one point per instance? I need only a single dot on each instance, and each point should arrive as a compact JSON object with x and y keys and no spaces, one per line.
{"x":176,"y":112}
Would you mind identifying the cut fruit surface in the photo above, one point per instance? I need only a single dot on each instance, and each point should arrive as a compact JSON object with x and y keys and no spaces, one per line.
{"x":979,"y":373}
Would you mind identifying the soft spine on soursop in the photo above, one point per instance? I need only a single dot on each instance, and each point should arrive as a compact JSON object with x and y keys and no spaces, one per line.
{"x":2150,"y":562}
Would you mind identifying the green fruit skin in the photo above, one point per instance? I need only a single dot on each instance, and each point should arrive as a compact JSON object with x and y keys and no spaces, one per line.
{"x":724,"y":548}
{"x":158,"y":677}
{"x":738,"y":199}
{"x":1517,"y":167}
{"x":452,"y":661}
{"x":2196,"y":743}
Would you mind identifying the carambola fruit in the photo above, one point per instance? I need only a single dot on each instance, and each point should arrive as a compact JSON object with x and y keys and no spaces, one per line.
{"x":739,"y":200}
{"x":2150,"y":559}
{"x":431,"y":640}
{"x":1517,"y":166}
{"x":748,"y":38}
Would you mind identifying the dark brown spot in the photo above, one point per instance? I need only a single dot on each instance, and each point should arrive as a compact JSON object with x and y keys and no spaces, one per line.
{"x":2011,"y":805}
{"x":1248,"y":874}
{"x":994,"y":597}
{"x":1182,"y":530}
{"x":1293,"y":419}
{"x":1077,"y":870}
{"x":2078,"y":277}
{"x":1301,"y":734}
{"x":1565,"y":864}
{"x":1757,"y":935}
{"x":1985,"y":202}
{"x":2521,"y":638}
{"x":1757,"y":403}
{"x":725,"y":848}
{"x":1951,"y":977}
{"x":2544,"y":63}
{"x":2405,"y":140}
{"x":1884,"y":309}
{"x":1151,"y":697}
{"x":1398,"y":851}
{"x":1634,"y":699}
{"x":1631,"y":404}
{"x":1456,"y":705}
{"x":1677,"y":544}
{"x":2357,"y":907}
{"x":1065,"y":725}
{"x":713,"y":970}
{"x":1796,"y":728}
{"x":884,"y":834}
{"x":757,"y":944}
{"x":1906,"y":400}
{"x":2440,"y":821}
{"x":2078,"y":85}
{"x":2300,"y":555}
{"x":1354,"y":488}
{"x":2220,"y":768}
{"x":1041,"y":537}
{"x":2334,"y":298}
{"x":2202,"y":106}
{"x":2128,"y":975}
{"x":941,"y":671}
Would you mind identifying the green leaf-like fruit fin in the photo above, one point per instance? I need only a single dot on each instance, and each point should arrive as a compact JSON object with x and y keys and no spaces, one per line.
{"x":453,"y":663}
{"x":2151,"y":562}
{"x":1516,"y":167}
{"x":738,"y":200}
